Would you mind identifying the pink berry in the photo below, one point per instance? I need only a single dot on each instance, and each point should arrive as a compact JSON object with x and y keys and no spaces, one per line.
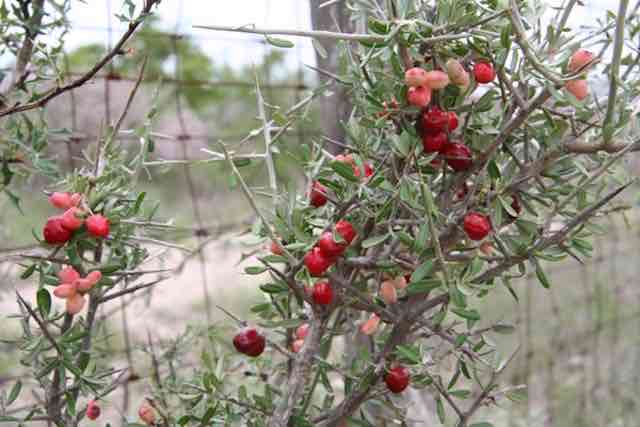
{"x":98,"y":225}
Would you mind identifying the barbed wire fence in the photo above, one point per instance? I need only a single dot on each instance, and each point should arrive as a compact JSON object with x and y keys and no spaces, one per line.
{"x":580,"y":347}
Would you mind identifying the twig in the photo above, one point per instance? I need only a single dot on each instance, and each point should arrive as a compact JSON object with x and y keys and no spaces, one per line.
{"x":615,"y":70}
{"x":117,"y":50}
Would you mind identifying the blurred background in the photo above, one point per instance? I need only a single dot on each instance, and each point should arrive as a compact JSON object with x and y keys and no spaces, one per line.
{"x":579,"y":341}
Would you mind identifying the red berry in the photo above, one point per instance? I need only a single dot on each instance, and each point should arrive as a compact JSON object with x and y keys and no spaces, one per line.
{"x":302,"y":331}
{"x":318,"y":194}
{"x":322,"y":293}
{"x":397,"y":379}
{"x":147,"y":414}
{"x":55,"y":233}
{"x":317,"y":263}
{"x":453,"y":120}
{"x":458,"y":156}
{"x":93,"y":410}
{"x":346,"y":230}
{"x":97,"y":225}
{"x":434,"y":120}
{"x":60,"y":200}
{"x":419,"y":96}
{"x":578,"y":88}
{"x":484,"y":72}
{"x":415,"y":77}
{"x":276,"y":249}
{"x":476,"y":225}
{"x":579,"y":59}
{"x":71,"y":218}
{"x":434,"y":142}
{"x":250,"y":342}
{"x":329,"y":248}
{"x":368,"y":170}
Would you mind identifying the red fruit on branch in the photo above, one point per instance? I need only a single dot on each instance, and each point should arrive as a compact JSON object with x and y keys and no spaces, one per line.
{"x":436,"y":80}
{"x":484,"y":72}
{"x":579,"y":59}
{"x":458,"y":156}
{"x":147,"y":414}
{"x":346,"y":230}
{"x":371,"y":325}
{"x":97,"y":225}
{"x":93,"y":410}
{"x":415,"y":77}
{"x":302,"y":331}
{"x":54,"y":232}
{"x":419,"y":96}
{"x":318,"y":194}
{"x":397,"y":379}
{"x":276,"y":249}
{"x":71,"y":219}
{"x":476,"y":225}
{"x":432,"y":143}
{"x":388,"y":292}
{"x":75,"y":303}
{"x":578,"y":88}
{"x":453,"y":121}
{"x":316,"y":262}
{"x":250,"y":342}
{"x":329,"y":248}
{"x":457,"y":74}
{"x":434,"y":120}
{"x":322,"y":293}
{"x":60,"y":200}
{"x":296,"y":345}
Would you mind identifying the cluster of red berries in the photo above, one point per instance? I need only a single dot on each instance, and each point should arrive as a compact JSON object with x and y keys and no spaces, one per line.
{"x":580,"y":60}
{"x":435,"y":126}
{"x":298,"y":338}
{"x":327,"y":251}
{"x":59,"y":229}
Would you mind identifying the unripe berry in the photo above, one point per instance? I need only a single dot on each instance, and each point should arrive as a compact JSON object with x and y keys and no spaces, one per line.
{"x":296,"y":345}
{"x":432,"y":143}
{"x":71,"y":219}
{"x":98,"y":225}
{"x":68,"y":275}
{"x":346,"y":230}
{"x":250,"y":342}
{"x":322,"y":293}
{"x":415,"y":76}
{"x":317,"y":195}
{"x":578,"y":88}
{"x":579,"y":59}
{"x":484,"y":72}
{"x":397,"y":379}
{"x":85,"y":285}
{"x":457,"y":74}
{"x":434,"y":120}
{"x":400,"y":282}
{"x":436,"y":80}
{"x":329,"y":248}
{"x":486,"y":248}
{"x":302,"y":331}
{"x":371,"y":325}
{"x":388,"y":292}
{"x":147,"y":414}
{"x":419,"y":96}
{"x":66,"y":290}
{"x":476,"y":225}
{"x":54,"y":233}
{"x":316,"y":262}
{"x":276,"y":249}
{"x":93,"y":410}
{"x":75,"y":303}
{"x":458,"y":156}
{"x":60,"y":200}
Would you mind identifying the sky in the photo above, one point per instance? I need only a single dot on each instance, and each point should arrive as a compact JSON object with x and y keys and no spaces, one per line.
{"x":91,"y":19}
